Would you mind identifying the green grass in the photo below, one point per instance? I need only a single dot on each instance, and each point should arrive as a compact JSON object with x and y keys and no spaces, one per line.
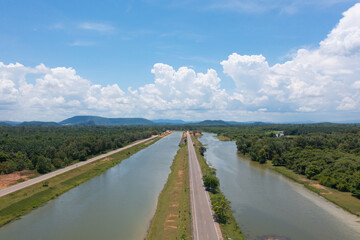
{"x":223,"y":138}
{"x":344,"y":200}
{"x":172,"y":219}
{"x":230,"y":229}
{"x":21,"y":202}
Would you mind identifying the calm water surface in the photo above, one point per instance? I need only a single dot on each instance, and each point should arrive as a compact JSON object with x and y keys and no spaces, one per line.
{"x":267,"y":204}
{"x":118,"y":204}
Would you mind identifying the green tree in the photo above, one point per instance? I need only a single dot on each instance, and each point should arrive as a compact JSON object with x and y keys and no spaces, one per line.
{"x":220,"y":207}
{"x":21,"y":161}
{"x":262,"y":156}
{"x":57,"y":162}
{"x":202,"y":150}
{"x":211,"y":182}
{"x":43,"y":164}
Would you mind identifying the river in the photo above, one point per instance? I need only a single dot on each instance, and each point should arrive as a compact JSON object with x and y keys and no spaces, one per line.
{"x":117,"y":204}
{"x":265,"y":203}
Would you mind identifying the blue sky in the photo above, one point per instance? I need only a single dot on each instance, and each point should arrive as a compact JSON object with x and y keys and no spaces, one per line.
{"x":113,"y":45}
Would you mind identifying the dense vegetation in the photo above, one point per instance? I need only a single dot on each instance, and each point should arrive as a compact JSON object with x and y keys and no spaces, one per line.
{"x":329,"y":153}
{"x":49,"y":148}
{"x":220,"y":204}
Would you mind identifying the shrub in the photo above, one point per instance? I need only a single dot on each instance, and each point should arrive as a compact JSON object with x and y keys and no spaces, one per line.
{"x":211,"y":182}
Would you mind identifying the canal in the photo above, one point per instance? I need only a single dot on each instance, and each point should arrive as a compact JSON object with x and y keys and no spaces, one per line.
{"x":117,"y":204}
{"x":267,"y":205}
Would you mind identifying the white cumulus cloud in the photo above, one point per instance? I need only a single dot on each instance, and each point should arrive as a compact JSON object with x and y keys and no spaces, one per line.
{"x":320,"y":80}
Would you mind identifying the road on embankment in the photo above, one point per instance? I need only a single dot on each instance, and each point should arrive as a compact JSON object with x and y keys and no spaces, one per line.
{"x":204,"y":226}
{"x":33,"y":181}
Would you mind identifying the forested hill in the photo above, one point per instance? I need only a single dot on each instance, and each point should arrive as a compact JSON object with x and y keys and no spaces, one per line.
{"x":213,"y":122}
{"x":94,"y":120}
{"x":38,"y":124}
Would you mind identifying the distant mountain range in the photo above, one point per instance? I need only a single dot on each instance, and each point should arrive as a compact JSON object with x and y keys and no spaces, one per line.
{"x":213,"y":122}
{"x":38,"y":124}
{"x":9,"y":123}
{"x":168,"y":121}
{"x":96,"y":120}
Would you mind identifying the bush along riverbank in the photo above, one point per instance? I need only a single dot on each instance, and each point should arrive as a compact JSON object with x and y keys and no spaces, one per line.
{"x":172,"y":219}
{"x":21,"y":202}
{"x":220,"y":205}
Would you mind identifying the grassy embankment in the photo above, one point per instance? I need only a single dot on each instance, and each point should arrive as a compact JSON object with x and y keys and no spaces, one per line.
{"x":230,"y":229}
{"x":344,"y":200}
{"x":223,"y":138}
{"x":16,"y":204}
{"x":172,"y":219}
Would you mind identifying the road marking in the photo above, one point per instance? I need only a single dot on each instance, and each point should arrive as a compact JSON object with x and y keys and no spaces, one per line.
{"x":208,"y":201}
{"x":195,"y":169}
{"x":193,"y":196}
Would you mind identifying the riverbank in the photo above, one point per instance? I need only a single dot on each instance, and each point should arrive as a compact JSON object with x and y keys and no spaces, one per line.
{"x":344,"y":200}
{"x":172,"y":219}
{"x":229,"y":229}
{"x":21,"y":202}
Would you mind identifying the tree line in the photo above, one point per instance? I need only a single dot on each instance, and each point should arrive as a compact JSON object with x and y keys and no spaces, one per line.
{"x":49,"y":148}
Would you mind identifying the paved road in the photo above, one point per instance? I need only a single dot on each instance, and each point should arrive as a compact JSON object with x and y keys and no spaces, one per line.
{"x":204,"y":226}
{"x":30,"y":182}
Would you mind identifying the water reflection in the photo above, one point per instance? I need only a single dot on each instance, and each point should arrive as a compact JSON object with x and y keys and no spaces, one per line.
{"x":269,"y":206}
{"x":118,"y":204}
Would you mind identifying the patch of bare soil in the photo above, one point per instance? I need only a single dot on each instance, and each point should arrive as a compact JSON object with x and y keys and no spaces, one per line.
{"x":106,"y":159}
{"x":7,"y":180}
{"x":315,"y":185}
{"x":171,"y":218}
{"x":304,"y":179}
{"x":318,"y":186}
{"x":148,"y":142}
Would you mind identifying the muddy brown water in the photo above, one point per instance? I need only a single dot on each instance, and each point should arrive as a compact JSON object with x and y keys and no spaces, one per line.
{"x":117,"y":204}
{"x":267,"y":205}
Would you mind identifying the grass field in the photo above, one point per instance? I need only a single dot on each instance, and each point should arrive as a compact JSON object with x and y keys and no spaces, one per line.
{"x":16,"y":204}
{"x":172,"y":219}
{"x":230,"y":229}
{"x":344,"y":200}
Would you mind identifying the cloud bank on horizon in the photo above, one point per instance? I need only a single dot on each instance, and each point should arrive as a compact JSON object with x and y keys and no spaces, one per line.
{"x":321,"y":84}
